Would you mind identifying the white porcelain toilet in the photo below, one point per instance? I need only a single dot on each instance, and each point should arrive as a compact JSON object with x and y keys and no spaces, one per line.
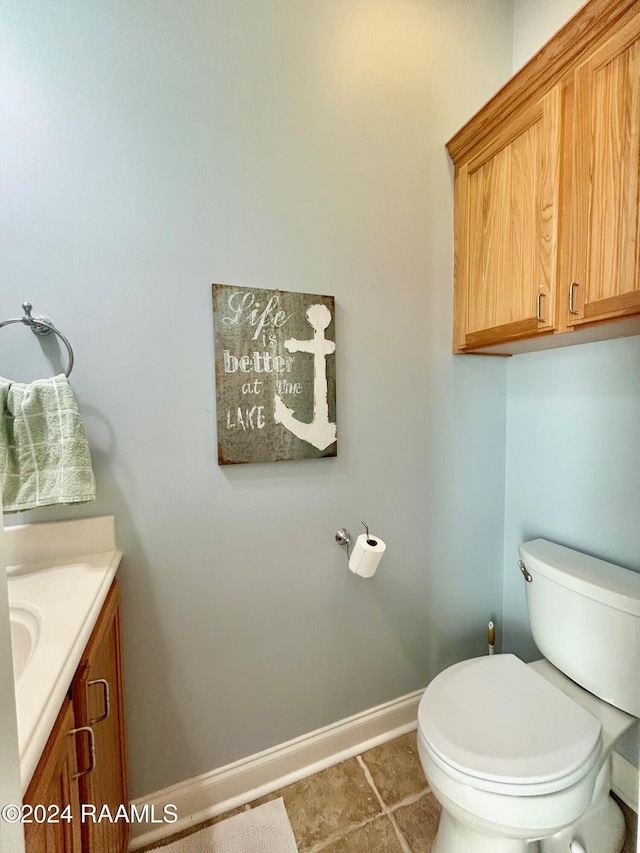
{"x":519,"y":755}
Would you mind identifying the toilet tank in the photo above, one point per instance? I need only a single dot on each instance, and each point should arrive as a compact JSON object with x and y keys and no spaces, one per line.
{"x":585,"y":618}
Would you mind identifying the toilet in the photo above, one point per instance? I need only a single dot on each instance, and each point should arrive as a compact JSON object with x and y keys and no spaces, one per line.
{"x":519,"y":755}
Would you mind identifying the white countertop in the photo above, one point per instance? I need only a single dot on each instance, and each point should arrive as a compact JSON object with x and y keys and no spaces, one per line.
{"x":60,"y":573}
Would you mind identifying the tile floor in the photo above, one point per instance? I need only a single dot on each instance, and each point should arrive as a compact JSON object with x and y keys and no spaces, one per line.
{"x":377,"y":802}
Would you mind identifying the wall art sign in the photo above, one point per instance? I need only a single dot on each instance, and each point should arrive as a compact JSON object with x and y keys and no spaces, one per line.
{"x":275,"y":374}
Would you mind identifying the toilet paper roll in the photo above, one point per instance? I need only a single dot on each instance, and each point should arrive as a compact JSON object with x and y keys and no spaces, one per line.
{"x":366,"y":555}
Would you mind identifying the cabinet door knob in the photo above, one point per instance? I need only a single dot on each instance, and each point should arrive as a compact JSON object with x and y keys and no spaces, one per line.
{"x":106,"y":702}
{"x":538,"y":314}
{"x":92,"y":750}
{"x":571,"y":308}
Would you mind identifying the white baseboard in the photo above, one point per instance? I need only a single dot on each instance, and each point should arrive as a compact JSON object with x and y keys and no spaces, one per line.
{"x":226,"y":788}
{"x":214,"y":793}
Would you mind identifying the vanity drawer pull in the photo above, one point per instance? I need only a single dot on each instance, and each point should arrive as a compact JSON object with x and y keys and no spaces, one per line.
{"x":92,"y":750}
{"x":105,"y":699}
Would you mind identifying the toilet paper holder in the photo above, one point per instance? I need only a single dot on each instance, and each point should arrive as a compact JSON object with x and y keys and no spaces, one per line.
{"x":343,"y":537}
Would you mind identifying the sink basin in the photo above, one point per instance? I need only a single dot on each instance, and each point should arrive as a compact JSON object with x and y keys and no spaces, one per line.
{"x":25,"y":629}
{"x":58,"y":576}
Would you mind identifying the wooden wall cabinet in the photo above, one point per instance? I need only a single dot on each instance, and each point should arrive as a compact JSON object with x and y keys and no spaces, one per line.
{"x":509,"y":193}
{"x":547,"y":194}
{"x":84,"y":762}
{"x":605,"y":188}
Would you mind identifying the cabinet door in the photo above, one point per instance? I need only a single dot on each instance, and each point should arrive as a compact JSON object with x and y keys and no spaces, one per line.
{"x":55,"y":788}
{"x":506,"y":231}
{"x":97,"y":698}
{"x":603,"y":234}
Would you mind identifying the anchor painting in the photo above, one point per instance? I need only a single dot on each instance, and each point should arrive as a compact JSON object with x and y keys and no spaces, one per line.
{"x":275,"y":375}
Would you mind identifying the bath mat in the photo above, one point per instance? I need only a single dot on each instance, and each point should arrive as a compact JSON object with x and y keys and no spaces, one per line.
{"x":265,"y":829}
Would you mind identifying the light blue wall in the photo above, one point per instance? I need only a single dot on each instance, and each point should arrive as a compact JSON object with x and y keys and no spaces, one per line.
{"x":152,"y":148}
{"x":572,"y":467}
{"x":572,"y":461}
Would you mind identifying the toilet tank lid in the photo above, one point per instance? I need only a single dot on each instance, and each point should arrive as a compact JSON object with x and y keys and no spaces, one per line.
{"x":594,"y":578}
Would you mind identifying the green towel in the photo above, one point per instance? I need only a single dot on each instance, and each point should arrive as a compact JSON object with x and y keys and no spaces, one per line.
{"x":44,"y":453}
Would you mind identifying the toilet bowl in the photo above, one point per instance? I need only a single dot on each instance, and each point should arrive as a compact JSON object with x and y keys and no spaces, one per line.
{"x":513,"y":758}
{"x":519,"y":755}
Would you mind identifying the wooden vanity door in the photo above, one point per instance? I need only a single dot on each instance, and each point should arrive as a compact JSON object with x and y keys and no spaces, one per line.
{"x":604,"y":232}
{"x":54,"y":787}
{"x":97,"y":698}
{"x":506,"y":253}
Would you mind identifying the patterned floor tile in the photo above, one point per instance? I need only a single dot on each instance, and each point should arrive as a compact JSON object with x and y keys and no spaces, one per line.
{"x":418,"y":822}
{"x":379,"y":835}
{"x":396,"y":769}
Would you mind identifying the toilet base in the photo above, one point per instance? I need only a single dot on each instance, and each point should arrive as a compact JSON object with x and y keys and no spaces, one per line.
{"x":601,"y":828}
{"x":456,"y":837}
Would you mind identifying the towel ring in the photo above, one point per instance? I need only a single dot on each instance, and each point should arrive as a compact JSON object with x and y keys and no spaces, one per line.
{"x":41,"y":326}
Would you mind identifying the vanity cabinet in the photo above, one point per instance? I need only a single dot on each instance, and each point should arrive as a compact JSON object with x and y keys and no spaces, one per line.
{"x":97,"y":701}
{"x":84,"y":764}
{"x":54,"y":787}
{"x":547,"y":194}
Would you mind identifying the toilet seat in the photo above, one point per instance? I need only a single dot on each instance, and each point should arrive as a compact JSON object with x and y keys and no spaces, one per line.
{"x":496,"y":724}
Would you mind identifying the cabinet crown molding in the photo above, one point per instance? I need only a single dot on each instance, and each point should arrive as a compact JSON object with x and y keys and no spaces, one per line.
{"x":579,"y":36}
